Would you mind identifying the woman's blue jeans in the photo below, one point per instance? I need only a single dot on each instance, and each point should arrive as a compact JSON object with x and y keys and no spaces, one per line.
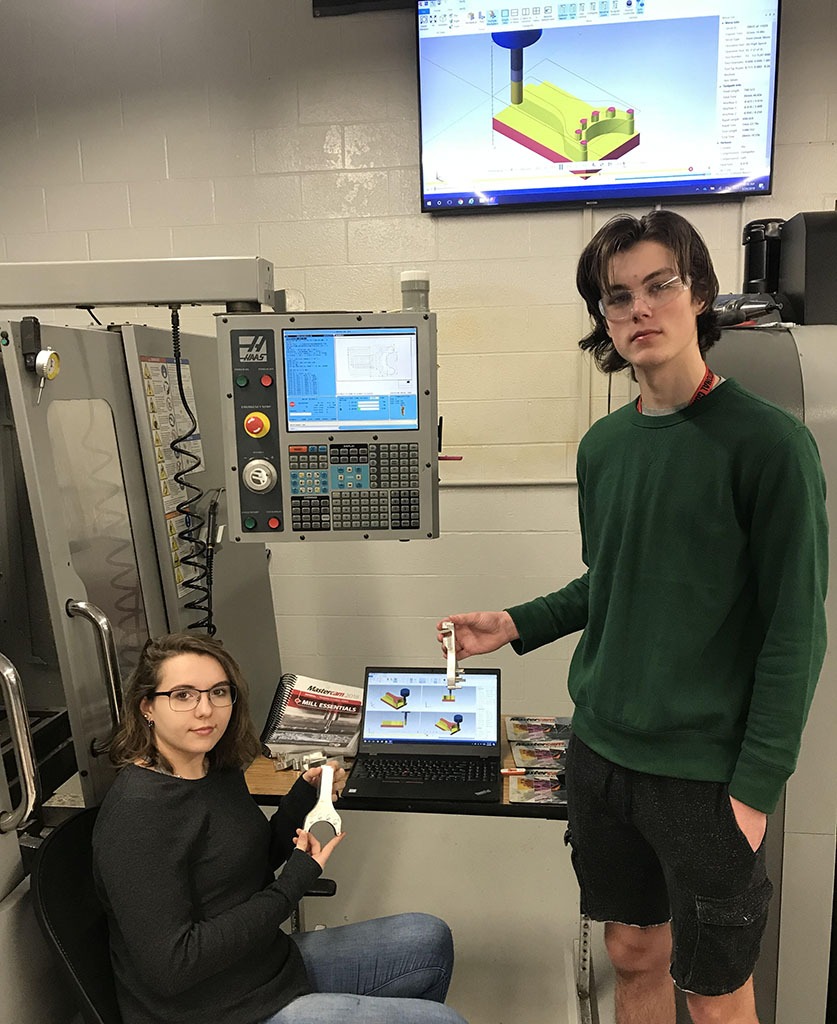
{"x":392,"y":970}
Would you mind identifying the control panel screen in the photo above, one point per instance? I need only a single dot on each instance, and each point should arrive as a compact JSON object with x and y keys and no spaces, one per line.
{"x":351,"y":378}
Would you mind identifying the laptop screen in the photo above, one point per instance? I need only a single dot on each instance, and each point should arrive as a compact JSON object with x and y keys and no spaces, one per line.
{"x":414,"y":706}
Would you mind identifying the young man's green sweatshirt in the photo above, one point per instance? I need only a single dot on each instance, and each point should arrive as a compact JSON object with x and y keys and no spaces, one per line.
{"x":706,"y":540}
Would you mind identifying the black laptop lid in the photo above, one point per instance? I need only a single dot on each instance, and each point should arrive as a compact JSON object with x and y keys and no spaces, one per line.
{"x":411,"y":711}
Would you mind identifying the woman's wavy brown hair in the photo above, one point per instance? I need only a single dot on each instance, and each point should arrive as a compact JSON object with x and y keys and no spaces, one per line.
{"x":134,"y":741}
{"x":623,"y":232}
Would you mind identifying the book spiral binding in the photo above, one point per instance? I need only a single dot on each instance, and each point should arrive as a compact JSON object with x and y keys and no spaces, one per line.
{"x":280,"y":703}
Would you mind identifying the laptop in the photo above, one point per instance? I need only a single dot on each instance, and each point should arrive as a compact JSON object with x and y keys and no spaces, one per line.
{"x":421,"y":741}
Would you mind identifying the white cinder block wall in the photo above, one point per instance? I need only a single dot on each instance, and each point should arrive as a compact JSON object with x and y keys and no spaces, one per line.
{"x":146,"y":128}
{"x":203,"y":127}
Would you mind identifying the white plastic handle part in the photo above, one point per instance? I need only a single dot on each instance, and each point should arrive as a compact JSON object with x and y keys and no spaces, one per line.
{"x":323,"y":809}
{"x":454,"y":672}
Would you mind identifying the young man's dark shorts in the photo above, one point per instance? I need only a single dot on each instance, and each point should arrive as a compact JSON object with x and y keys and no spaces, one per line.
{"x":647,"y":849}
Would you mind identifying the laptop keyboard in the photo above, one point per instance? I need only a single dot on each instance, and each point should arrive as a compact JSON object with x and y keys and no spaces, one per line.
{"x":426,"y":769}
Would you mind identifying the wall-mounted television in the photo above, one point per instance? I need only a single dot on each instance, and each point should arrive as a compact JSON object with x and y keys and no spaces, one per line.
{"x":595,"y":101}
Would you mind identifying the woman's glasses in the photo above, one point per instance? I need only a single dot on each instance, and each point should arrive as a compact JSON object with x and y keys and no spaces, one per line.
{"x":187,"y":698}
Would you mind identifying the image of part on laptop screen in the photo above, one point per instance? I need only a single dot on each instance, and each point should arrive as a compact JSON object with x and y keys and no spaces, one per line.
{"x":417,"y":707}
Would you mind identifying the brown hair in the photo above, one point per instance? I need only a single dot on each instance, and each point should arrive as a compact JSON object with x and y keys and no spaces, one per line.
{"x":692,"y":262}
{"x":134,"y":740}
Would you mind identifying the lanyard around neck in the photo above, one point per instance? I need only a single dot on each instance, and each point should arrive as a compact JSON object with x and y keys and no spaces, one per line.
{"x":701,"y":391}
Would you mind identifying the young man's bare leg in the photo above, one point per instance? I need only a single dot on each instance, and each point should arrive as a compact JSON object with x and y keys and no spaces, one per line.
{"x":641,"y":959}
{"x":738,"y":1007}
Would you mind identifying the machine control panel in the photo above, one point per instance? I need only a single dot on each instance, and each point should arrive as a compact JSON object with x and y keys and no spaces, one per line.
{"x":330,"y":425}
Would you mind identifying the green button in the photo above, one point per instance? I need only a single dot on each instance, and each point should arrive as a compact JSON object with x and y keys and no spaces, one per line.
{"x":249,"y":523}
{"x":242,"y":380}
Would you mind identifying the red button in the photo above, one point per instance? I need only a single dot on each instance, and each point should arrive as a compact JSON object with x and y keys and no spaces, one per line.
{"x":266,"y":380}
{"x":273,"y":523}
{"x":256,"y":424}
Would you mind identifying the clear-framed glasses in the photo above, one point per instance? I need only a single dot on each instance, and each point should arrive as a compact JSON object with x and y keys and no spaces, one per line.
{"x":619,"y":304}
{"x":187,"y":698}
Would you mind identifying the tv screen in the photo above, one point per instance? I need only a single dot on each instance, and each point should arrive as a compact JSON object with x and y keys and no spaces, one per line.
{"x":595,"y":101}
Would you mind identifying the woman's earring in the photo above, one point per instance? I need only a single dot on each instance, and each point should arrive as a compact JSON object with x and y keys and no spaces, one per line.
{"x":150,"y":721}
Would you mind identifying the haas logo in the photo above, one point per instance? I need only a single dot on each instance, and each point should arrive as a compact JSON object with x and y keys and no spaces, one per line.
{"x":252,"y":348}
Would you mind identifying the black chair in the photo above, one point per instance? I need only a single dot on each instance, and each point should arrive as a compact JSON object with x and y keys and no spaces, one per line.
{"x":72,"y":918}
{"x":321,"y":887}
{"x":74,"y":921}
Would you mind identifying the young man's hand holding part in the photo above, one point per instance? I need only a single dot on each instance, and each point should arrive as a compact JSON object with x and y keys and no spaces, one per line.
{"x":479,"y":632}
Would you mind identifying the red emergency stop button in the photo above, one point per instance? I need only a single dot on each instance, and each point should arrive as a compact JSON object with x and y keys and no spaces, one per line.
{"x":256,"y":424}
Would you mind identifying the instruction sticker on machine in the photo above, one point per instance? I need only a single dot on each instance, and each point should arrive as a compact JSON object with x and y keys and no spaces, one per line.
{"x":168,"y":422}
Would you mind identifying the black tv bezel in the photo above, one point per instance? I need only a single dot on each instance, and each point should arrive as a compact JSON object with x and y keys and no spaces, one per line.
{"x":330,"y":8}
{"x":633,"y":196}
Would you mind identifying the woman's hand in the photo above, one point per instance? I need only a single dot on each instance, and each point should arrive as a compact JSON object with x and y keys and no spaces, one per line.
{"x":312,"y":775}
{"x":308,"y":843}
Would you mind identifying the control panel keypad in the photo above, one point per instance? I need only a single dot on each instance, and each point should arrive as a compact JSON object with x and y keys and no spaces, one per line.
{"x":405,"y":509}
{"x":308,"y":469}
{"x":349,"y":454}
{"x":309,"y":481}
{"x":355,"y":486}
{"x":310,"y":513}
{"x":308,"y":456}
{"x":394,"y":465}
{"x":360,"y":510}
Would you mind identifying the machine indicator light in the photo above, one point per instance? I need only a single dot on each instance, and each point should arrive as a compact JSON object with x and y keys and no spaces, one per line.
{"x":266,"y":380}
{"x":273,"y":523}
{"x":249,"y":523}
{"x":256,"y":424}
{"x":242,"y":380}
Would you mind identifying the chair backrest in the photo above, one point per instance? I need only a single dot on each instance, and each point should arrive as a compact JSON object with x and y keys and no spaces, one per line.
{"x":72,"y":918}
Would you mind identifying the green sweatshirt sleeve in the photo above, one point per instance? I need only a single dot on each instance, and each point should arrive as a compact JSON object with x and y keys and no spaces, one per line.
{"x":789,"y":548}
{"x":548,"y":618}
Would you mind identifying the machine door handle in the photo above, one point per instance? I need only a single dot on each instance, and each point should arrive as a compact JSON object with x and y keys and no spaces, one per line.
{"x":107,"y":649}
{"x":21,"y":734}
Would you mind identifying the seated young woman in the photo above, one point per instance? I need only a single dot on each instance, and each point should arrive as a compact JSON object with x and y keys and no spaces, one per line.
{"x":184,"y":861}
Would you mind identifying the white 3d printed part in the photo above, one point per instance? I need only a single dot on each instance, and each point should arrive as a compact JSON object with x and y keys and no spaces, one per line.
{"x":323,"y":809}
{"x":454,"y":671}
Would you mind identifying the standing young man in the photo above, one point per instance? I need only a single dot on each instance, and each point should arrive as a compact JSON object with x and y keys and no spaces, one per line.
{"x":702,"y":511}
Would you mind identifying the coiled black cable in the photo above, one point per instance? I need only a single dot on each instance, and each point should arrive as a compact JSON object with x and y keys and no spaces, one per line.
{"x":198,"y":557}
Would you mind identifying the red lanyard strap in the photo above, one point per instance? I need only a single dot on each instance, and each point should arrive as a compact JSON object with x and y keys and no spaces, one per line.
{"x":701,"y":391}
